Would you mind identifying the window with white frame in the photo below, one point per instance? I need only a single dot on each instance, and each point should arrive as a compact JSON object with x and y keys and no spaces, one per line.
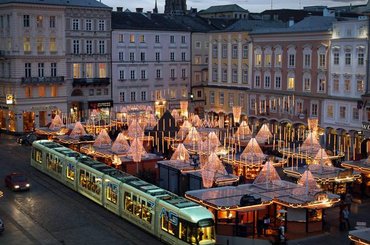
{"x":133,"y":96}
{"x":172,"y":56}
{"x":245,"y":76}
{"x":121,"y":96}
{"x":291,"y":61}
{"x":39,"y":21}
{"x":102,"y":70}
{"x":132,"y":75}
{"x":347,"y":58}
{"x":252,"y":104}
{"x":76,"y":46}
{"x":132,"y":38}
{"x":291,"y":83}
{"x":299,"y":107}
{"x":41,"y":69}
{"x":307,"y":83}
{"x":267,"y":81}
{"x":89,"y":48}
{"x":52,"y":21}
{"x":273,"y":104}
{"x":224,"y":50}
{"x":197,"y":59}
{"x":183,"y":56}
{"x":198,"y":44}
{"x":183,"y":39}
{"x":336,"y":58}
{"x":101,"y":47}
{"x":258,"y":60}
{"x":321,"y":88}
{"x":355,"y":114}
{"x":132,"y":56}
{"x":231,"y":99}
{"x":143,"y":74}
{"x":245,"y":52}
{"x":76,"y":70}
{"x":278,"y":60}
{"x":101,"y":25}
{"x":172,"y":39}
{"x":143,"y":95}
{"x":142,"y":38}
{"x":27,"y":69}
{"x":336,"y":85}
{"x":75,"y":24}
{"x":257,"y":81}
{"x":156,"y":38}
{"x":307,"y":61}
{"x":221,"y":98}
{"x":342,"y":112}
{"x":157,"y":56}
{"x":241,"y":99}
{"x":88,"y":25}
{"x":267,"y":59}
{"x":360,"y":86}
{"x":158,"y":73}
{"x":234,"y":77}
{"x":142,"y":56}
{"x":224,"y":75}
{"x":347,"y":86}
{"x":278,"y":81}
{"x":212,"y":97}
{"x":314,"y":109}
{"x":89,"y":70}
{"x":214,"y":75}
{"x":214,"y":51}
{"x":183,"y":73}
{"x":121,"y":38}
{"x":234,"y":52}
{"x":26,"y":20}
{"x":322,"y":61}
{"x":330,"y":111}
{"x":360,"y":58}
{"x":121,"y":56}
{"x":53,"y":69}
{"x":121,"y":75}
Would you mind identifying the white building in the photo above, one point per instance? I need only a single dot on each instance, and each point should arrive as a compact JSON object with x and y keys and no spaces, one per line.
{"x":151,"y":60}
{"x":347,"y":76}
{"x":32,"y":64}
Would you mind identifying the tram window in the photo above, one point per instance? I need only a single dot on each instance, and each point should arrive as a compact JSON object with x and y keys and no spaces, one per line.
{"x":111,"y":192}
{"x":128,"y":202}
{"x":167,"y":226}
{"x":71,"y":171}
{"x":137,"y":206}
{"x":205,"y":233}
{"x":188,"y":232}
{"x":146,"y":213}
{"x":37,"y":155}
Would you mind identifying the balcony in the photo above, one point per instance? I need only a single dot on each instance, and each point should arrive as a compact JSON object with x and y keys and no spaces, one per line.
{"x":91,"y":81}
{"x":38,"y":80}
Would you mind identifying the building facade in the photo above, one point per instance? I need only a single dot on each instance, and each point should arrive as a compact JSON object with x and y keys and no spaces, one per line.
{"x":342,"y":110}
{"x":290,"y":72}
{"x":88,"y":60}
{"x":32,"y":65}
{"x":151,"y":62}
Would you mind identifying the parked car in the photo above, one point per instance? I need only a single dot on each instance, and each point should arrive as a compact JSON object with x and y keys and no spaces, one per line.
{"x":27,"y":139}
{"x":2,"y":227}
{"x":17,"y":182}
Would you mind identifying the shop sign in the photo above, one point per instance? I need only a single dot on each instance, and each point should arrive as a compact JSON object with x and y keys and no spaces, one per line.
{"x":44,"y":108}
{"x":366,"y":126}
{"x":9,"y":99}
{"x":100,"y":104}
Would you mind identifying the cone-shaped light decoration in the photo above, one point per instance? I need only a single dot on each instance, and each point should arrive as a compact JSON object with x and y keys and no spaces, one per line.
{"x":56,"y":123}
{"x":181,"y":154}
{"x":120,"y":145}
{"x":78,"y":130}
{"x":268,"y":174}
{"x":264,"y":134}
{"x":103,"y":140}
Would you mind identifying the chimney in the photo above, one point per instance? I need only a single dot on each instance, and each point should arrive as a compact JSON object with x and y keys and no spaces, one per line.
{"x":291,"y":21}
{"x":139,"y":10}
{"x":119,"y":9}
{"x":149,"y":15}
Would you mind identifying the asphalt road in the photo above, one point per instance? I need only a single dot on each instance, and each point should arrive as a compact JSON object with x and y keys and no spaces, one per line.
{"x":51,"y":213}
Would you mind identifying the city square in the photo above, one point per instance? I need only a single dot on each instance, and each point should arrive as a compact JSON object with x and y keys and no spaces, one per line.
{"x":218,"y":126}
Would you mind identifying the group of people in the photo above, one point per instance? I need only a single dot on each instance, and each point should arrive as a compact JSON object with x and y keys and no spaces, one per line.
{"x":264,"y":224}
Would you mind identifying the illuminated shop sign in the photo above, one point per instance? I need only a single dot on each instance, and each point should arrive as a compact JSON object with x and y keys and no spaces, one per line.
{"x":9,"y":99}
{"x":100,"y":104}
{"x":366,"y":126}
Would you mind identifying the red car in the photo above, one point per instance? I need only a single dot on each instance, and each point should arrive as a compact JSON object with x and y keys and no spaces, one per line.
{"x":17,"y":182}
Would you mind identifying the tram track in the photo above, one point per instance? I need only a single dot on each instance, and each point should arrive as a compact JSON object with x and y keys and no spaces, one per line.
{"x":129,"y":233}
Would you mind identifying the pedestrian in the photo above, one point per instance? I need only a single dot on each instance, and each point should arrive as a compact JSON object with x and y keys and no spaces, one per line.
{"x":282,"y":234}
{"x":345,"y":214}
{"x":266,"y":224}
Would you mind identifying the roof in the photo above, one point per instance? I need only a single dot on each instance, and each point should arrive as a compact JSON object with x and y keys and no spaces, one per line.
{"x":67,"y":3}
{"x":308,"y":24}
{"x":286,"y":14}
{"x":250,"y":25}
{"x":223,"y":9}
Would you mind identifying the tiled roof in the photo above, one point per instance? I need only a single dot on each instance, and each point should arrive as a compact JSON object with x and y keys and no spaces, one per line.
{"x":74,"y":3}
{"x":145,"y":21}
{"x":223,"y":9}
{"x":308,"y":24}
{"x":250,"y":25}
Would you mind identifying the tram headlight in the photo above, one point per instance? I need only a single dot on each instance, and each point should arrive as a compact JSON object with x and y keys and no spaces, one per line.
{"x":16,"y":186}
{"x":27,"y":185}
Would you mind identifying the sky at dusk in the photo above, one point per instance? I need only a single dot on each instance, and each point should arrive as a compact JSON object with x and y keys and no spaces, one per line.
{"x":251,"y":5}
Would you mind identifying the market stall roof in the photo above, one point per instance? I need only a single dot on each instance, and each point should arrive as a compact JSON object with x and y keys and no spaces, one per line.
{"x":323,"y":173}
{"x":362,"y":166}
{"x":230,"y":197}
{"x":361,"y":236}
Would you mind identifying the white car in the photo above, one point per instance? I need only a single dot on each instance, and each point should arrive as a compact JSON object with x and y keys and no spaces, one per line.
{"x":1,"y":226}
